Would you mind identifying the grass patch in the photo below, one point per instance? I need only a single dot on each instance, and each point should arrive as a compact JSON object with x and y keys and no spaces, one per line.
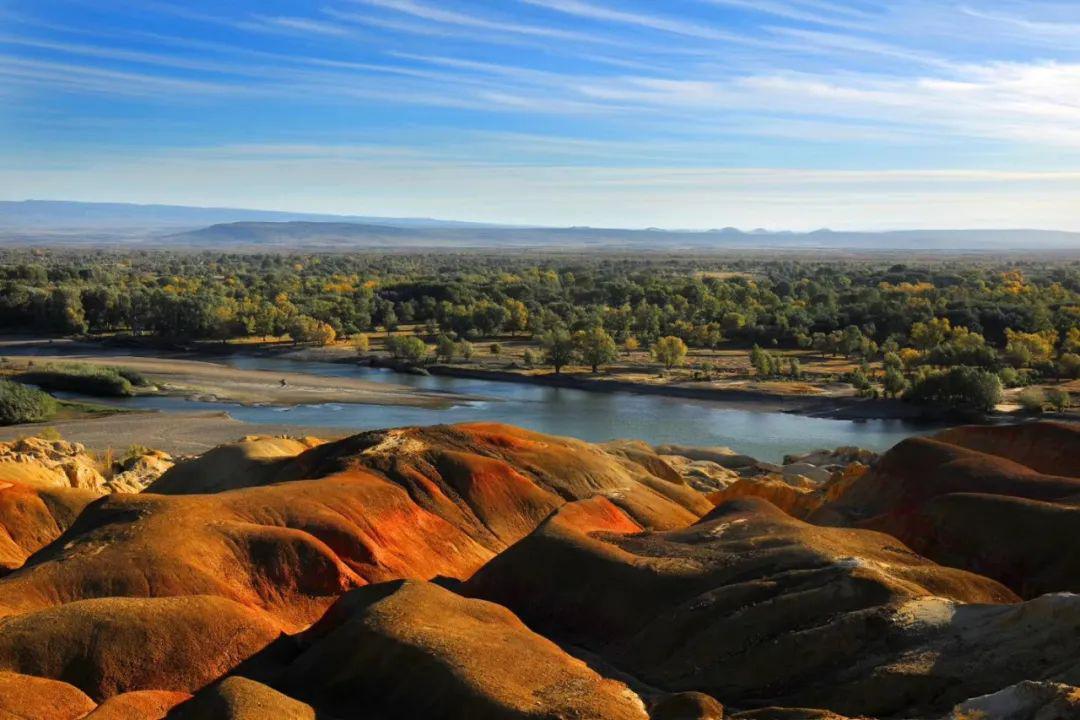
{"x":75,"y":410}
{"x":97,"y":380}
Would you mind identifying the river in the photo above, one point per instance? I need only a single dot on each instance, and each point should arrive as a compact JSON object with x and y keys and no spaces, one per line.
{"x":587,"y":415}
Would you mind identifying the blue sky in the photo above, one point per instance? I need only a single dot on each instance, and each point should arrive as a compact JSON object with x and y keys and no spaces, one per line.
{"x":785,"y":114}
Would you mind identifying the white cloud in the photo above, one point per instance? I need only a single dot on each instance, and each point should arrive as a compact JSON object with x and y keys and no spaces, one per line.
{"x":652,"y":22}
{"x":441,"y":15}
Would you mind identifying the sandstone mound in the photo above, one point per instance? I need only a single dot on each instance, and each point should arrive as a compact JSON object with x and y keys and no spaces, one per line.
{"x":975,"y":510}
{"x":32,"y":517}
{"x":1046,"y":447}
{"x":411,"y":650}
{"x":237,"y":698}
{"x":139,"y":705}
{"x":23,"y":697}
{"x":757,"y":608}
{"x":115,"y":645}
{"x":1024,"y":701}
{"x":135,"y":473}
{"x":252,"y":461}
{"x":279,"y":578}
{"x":413,"y":503}
{"x":49,"y":464}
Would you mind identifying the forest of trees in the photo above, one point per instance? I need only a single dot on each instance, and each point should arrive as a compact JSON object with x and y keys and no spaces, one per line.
{"x":1017,"y":320}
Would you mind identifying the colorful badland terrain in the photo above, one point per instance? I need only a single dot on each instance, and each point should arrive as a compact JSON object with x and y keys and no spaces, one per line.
{"x":483,"y":571}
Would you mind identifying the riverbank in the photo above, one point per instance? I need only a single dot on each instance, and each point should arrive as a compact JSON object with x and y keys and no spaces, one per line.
{"x":201,"y":374}
{"x":199,"y":378}
{"x":756,"y":425}
{"x":832,"y":406}
{"x":177,"y":433}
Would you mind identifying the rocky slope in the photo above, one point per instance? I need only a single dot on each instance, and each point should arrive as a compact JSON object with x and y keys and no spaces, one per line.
{"x":483,"y":571}
{"x":965,"y":498}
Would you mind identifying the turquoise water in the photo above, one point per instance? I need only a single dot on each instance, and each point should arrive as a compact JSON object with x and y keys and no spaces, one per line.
{"x":561,"y":411}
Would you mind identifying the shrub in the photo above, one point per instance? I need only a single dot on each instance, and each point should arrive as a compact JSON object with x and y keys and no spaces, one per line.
{"x":1058,"y":399}
{"x":23,"y":404}
{"x":94,"y":380}
{"x":859,"y":379}
{"x":1032,"y":399}
{"x":134,"y":377}
{"x":1010,"y":377}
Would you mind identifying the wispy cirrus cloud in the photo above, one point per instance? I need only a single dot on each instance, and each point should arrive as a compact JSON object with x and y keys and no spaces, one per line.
{"x":603,"y":13}
{"x":437,"y":14}
{"x":591,"y":98}
{"x":818,"y":13}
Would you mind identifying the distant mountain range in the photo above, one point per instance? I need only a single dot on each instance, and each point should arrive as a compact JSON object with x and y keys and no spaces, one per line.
{"x":66,"y":215}
{"x":75,"y":223}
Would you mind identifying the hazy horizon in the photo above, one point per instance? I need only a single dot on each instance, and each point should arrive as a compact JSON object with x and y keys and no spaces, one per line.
{"x":358,"y":217}
{"x":786,"y":114}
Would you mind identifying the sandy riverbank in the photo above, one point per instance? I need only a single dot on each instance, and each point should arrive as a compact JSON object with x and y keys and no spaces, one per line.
{"x":822,"y":405}
{"x":210,"y":381}
{"x":178,"y":433}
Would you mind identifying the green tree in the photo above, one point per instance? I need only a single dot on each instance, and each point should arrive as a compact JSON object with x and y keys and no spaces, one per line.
{"x":1069,"y":365}
{"x":465,"y":349}
{"x":445,"y":347}
{"x":389,"y":319}
{"x":669,"y":351}
{"x":894,"y":382}
{"x":406,"y":347}
{"x":517,"y":316}
{"x":66,"y":310}
{"x":960,"y":387}
{"x":558,"y":347}
{"x":853,"y":342}
{"x":759,"y":360}
{"x":930,"y":334}
{"x":595,"y":347}
{"x":1028,"y":349}
{"x":305,"y":329}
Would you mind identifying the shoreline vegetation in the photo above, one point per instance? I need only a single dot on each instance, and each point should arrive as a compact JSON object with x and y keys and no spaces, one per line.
{"x":954,"y":339}
{"x":193,"y":373}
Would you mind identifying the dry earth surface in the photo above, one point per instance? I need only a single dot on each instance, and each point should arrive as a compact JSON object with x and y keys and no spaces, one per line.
{"x":484,"y":571}
{"x":205,"y":380}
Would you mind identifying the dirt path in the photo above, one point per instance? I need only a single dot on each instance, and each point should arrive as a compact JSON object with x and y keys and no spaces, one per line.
{"x":203,"y":380}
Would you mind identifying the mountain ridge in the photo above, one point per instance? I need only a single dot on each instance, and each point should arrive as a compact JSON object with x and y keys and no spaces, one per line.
{"x":51,"y":222}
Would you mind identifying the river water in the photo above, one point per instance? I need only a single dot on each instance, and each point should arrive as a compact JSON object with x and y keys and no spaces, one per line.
{"x":587,"y":415}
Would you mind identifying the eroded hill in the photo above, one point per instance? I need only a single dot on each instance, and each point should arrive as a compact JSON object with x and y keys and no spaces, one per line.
{"x":483,"y":571}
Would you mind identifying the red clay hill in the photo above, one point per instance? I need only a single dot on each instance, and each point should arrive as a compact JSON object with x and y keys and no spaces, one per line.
{"x":483,"y":571}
